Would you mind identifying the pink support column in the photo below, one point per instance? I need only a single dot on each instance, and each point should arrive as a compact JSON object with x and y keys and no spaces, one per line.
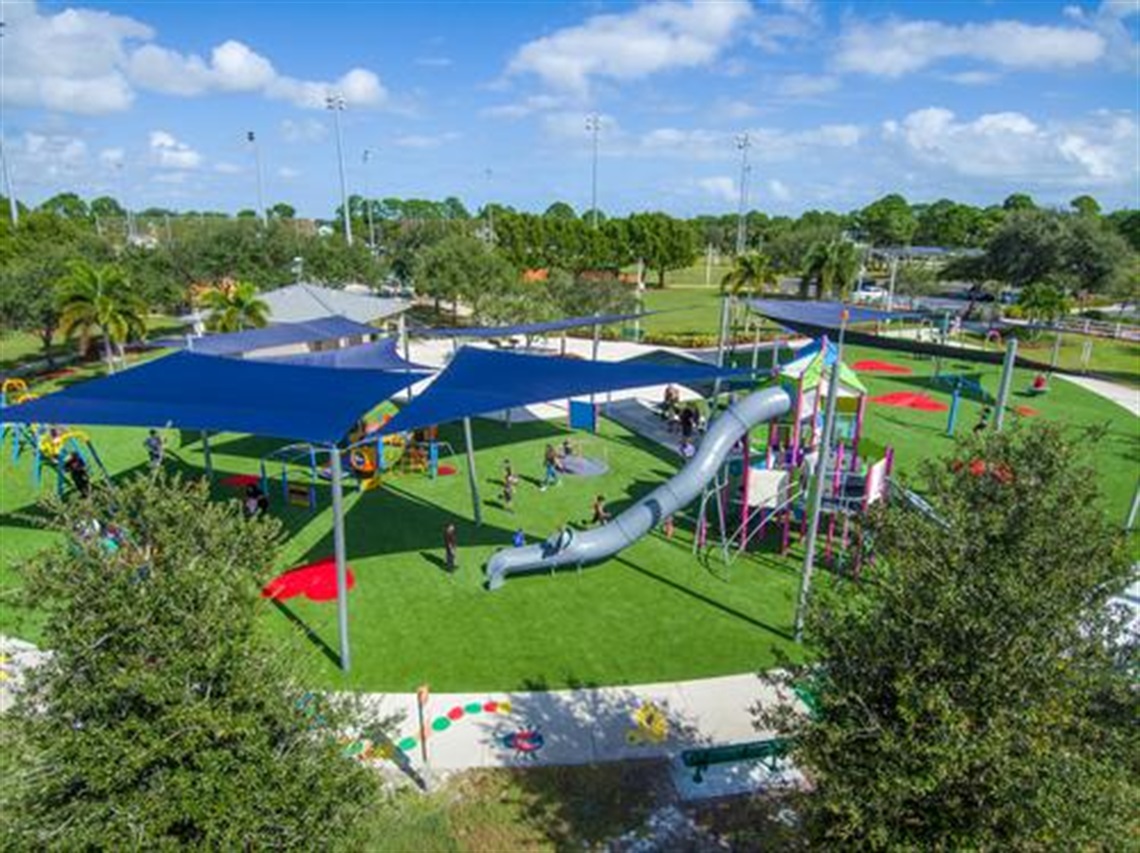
{"x":745,"y":476}
{"x":859,"y":414}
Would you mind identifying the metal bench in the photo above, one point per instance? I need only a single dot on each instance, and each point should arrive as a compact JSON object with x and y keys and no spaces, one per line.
{"x":768,"y":752}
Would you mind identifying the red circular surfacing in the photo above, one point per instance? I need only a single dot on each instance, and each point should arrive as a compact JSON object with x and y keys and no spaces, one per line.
{"x":873,"y":366}
{"x":447,"y":470}
{"x":241,"y":480}
{"x":910,"y":400}
{"x":316,"y":581}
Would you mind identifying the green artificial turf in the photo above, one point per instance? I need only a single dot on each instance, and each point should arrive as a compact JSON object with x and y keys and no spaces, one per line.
{"x":653,"y":613}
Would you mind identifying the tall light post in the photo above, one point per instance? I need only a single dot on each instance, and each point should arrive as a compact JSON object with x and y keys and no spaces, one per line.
{"x":335,"y":102}
{"x":743,"y":143}
{"x":594,"y":125}
{"x":13,"y":207}
{"x":490,"y":208}
{"x":252,"y":137}
{"x":130,"y":223}
{"x":368,"y":200}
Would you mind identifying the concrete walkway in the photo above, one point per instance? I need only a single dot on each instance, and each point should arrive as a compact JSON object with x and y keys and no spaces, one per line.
{"x":1122,"y":395}
{"x":583,"y":726}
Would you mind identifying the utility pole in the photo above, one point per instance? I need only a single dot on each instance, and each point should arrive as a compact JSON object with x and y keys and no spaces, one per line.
{"x":13,"y":206}
{"x":815,"y":497}
{"x":594,"y":124}
{"x":368,"y":199}
{"x":743,"y":143}
{"x":252,"y":137}
{"x":334,"y":101}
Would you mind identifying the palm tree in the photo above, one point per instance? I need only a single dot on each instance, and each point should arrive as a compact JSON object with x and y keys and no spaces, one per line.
{"x":235,"y":306}
{"x":753,"y":271}
{"x":100,"y":297}
{"x":834,"y":266}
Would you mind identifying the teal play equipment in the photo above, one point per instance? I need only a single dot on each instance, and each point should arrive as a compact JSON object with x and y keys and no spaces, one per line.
{"x":768,"y":752}
{"x":50,"y":448}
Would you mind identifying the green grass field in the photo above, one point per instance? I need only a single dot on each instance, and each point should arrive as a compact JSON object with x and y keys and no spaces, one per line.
{"x":653,"y":613}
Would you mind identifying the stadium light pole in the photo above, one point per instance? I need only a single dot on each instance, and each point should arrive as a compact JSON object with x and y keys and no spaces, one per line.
{"x":743,"y":143}
{"x":334,"y":101}
{"x":13,"y":207}
{"x":488,"y":174}
{"x":252,"y":138}
{"x":368,"y":199}
{"x":594,"y":125}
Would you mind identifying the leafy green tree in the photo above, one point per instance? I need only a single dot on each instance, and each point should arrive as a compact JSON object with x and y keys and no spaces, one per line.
{"x":572,"y":296}
{"x":664,"y":243}
{"x":1126,"y":223}
{"x":888,"y":221}
{"x":107,"y":208}
{"x":68,"y":205}
{"x":1043,"y":302}
{"x":1019,"y":201}
{"x":1085,"y":205}
{"x":463,"y":268}
{"x":1077,"y":252}
{"x":560,"y":210}
{"x":949,"y":224}
{"x":28,"y":299}
{"x":99,"y":296}
{"x":234,"y":307}
{"x":167,"y":717}
{"x":833,"y":267}
{"x":247,"y":213}
{"x":974,"y":693}
{"x":750,"y":273}
{"x":281,"y":210}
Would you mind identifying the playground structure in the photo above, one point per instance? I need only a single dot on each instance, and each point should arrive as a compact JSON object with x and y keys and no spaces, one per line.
{"x":49,"y":446}
{"x":769,"y":485}
{"x":368,"y":457}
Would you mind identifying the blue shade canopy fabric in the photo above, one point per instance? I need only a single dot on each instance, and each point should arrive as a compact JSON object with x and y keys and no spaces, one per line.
{"x":480,"y":381}
{"x":529,"y":328}
{"x":191,"y":391}
{"x":380,"y":355}
{"x":279,"y":335}
{"x":825,"y":315}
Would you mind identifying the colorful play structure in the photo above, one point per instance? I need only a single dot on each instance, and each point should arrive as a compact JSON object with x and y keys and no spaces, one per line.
{"x":49,"y":446}
{"x":367,"y":456}
{"x":766,"y":486}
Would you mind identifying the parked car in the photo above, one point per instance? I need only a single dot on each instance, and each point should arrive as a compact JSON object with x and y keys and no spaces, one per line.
{"x":868,"y":291}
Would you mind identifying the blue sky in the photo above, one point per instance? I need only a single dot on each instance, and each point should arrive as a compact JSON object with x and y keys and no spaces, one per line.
{"x":842,"y":102}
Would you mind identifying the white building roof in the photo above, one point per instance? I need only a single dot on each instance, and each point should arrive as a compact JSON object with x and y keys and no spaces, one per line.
{"x":299,"y":303}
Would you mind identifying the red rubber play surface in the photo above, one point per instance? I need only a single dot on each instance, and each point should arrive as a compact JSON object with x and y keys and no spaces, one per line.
{"x":1026,"y":411}
{"x":910,"y":400}
{"x":447,"y":470}
{"x":872,"y":366}
{"x":241,"y":480}
{"x":316,"y":581}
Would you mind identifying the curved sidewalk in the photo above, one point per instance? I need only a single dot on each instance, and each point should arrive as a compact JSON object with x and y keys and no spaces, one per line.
{"x":1122,"y":395}
{"x":581,"y":726}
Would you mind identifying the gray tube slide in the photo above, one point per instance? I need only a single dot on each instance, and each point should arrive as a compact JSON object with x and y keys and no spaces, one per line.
{"x":594,"y":545}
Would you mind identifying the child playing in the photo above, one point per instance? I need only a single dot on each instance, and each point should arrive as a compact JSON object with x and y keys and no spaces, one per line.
{"x":519,"y":539}
{"x":509,"y":494}
{"x":550,"y":463}
{"x":450,"y":544}
{"x":154,"y":448}
{"x":601,"y":516}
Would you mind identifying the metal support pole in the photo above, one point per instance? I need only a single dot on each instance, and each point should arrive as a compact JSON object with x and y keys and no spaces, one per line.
{"x":335,"y":102}
{"x":756,"y":349}
{"x":1056,"y":352}
{"x":13,"y":205}
{"x":596,"y":347}
{"x":472,"y":477}
{"x":338,"y":548}
{"x":815,"y":498}
{"x":954,"y":401}
{"x":207,"y":457}
{"x":1006,"y":382}
{"x":720,"y":344}
{"x":1130,"y":521}
{"x":891,"y":286}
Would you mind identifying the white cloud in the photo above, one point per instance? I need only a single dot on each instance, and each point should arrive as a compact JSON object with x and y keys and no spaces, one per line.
{"x":39,"y":159}
{"x":527,"y":106}
{"x":721,"y":187}
{"x":168,"y":153}
{"x":972,"y":78}
{"x":1109,"y":20}
{"x":112,"y":156}
{"x":896,"y":47}
{"x":91,"y":62}
{"x":779,"y":190}
{"x":632,"y":45}
{"x":287,"y":174}
{"x":433,"y":61}
{"x":308,"y":130}
{"x":70,"y":61}
{"x":425,"y":140}
{"x":783,"y":22}
{"x":805,"y":85}
{"x":1100,"y":149}
{"x":228,"y":168}
{"x":733,"y":110}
